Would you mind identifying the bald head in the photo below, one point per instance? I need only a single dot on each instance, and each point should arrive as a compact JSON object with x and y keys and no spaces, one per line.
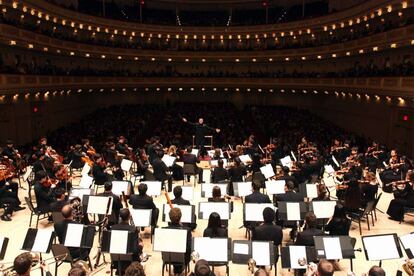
{"x":325,"y":268}
{"x":67,"y":211}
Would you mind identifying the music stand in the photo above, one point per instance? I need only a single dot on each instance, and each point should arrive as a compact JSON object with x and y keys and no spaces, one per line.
{"x":100,"y":205}
{"x":3,"y":246}
{"x":297,"y":256}
{"x":168,"y":160}
{"x":241,"y":251}
{"x":119,"y":243}
{"x":308,"y":190}
{"x":323,"y":209}
{"x":245,"y":159}
{"x":126,"y":165}
{"x":292,"y":211}
{"x":286,"y":161}
{"x":188,"y":193}
{"x":334,"y":247}
{"x":267,"y":171}
{"x":187,"y":212}
{"x":254,"y":211}
{"x":206,"y":208}
{"x":154,"y":187}
{"x":263,"y":253}
{"x":141,"y":217}
{"x":207,"y":189}
{"x":407,"y":242}
{"x":221,"y":254}
{"x":39,"y":241}
{"x":119,"y":187}
{"x":275,"y":187}
{"x":79,"y":235}
{"x":85,"y":169}
{"x":242,"y":189}
{"x":381,"y":247}
{"x":75,"y":192}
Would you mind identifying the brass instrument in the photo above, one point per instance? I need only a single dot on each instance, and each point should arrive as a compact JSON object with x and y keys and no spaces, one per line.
{"x":408,"y":267}
{"x":76,"y":205}
{"x":195,"y":256}
{"x":251,"y":264}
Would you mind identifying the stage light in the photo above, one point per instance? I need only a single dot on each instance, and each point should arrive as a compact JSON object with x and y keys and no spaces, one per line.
{"x":325,"y":28}
{"x":237,"y":60}
{"x":254,"y":60}
{"x":30,"y":46}
{"x":287,"y":59}
{"x":45,"y":49}
{"x":361,"y":51}
{"x":153,"y":59}
{"x":303,"y":58}
{"x":375,"y":49}
{"x":393,"y":45}
{"x":103,"y":56}
{"x":282,"y":90}
{"x":334,"y":55}
{"x":319,"y":57}
{"x":12,"y":42}
{"x":270,"y":59}
{"x":169,"y":59}
{"x":404,"y":4}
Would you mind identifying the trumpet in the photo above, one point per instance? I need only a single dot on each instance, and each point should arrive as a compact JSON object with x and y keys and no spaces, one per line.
{"x":408,"y":267}
{"x":251,"y":264}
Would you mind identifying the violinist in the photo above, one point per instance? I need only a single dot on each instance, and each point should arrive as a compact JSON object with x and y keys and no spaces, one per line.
{"x":62,"y":176}
{"x":8,"y":194}
{"x":99,"y":171}
{"x":154,"y":148}
{"x":87,"y":148}
{"x":402,"y":198}
{"x":110,"y":154}
{"x":44,"y":192}
{"x":352,"y":196}
{"x":369,"y":187}
{"x":392,"y":171}
{"x":143,"y":164}
{"x":10,"y":152}
{"x":177,"y":171}
{"x":219,"y":174}
{"x":123,"y":148}
{"x":75,"y":156}
{"x":338,"y":150}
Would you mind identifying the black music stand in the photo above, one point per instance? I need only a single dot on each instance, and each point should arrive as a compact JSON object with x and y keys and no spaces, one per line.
{"x":3,"y":246}
{"x":203,"y":246}
{"x":294,"y":254}
{"x":121,"y":250}
{"x":407,"y":242}
{"x":334,"y":248}
{"x":382,"y":247}
{"x":286,"y":213}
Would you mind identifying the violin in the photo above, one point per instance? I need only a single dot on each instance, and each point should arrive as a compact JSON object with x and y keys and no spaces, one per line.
{"x":87,"y":160}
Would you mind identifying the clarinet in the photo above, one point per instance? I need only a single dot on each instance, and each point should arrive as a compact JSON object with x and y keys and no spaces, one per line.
{"x":103,"y":228}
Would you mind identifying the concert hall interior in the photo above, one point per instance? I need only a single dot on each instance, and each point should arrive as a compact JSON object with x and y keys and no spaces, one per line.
{"x":206,"y":137}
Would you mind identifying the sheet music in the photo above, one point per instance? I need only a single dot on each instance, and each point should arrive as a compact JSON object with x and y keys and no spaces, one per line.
{"x":267,"y":171}
{"x":406,"y":240}
{"x":245,"y":158}
{"x":99,"y":204}
{"x":260,"y":253}
{"x":168,"y":160}
{"x":293,"y":211}
{"x":254,"y":211}
{"x":211,"y":153}
{"x":329,"y":182}
{"x":73,"y":237}
{"x":324,"y":209}
{"x":296,"y":253}
{"x":119,"y":242}
{"x":86,"y":181}
{"x":79,"y":193}
{"x":241,"y":248}
{"x":274,"y":187}
{"x":204,"y":245}
{"x":243,"y":188}
{"x":377,"y":176}
{"x":380,"y":247}
{"x":222,"y":208}
{"x":120,"y":186}
{"x":188,"y":193}
{"x":1,"y":243}
{"x":154,"y":188}
{"x":332,"y":248}
{"x":329,"y":169}
{"x":141,"y":217}
{"x":26,"y":175}
{"x":186,"y":212}
{"x":286,"y":161}
{"x":42,"y":240}
{"x":194,"y":151}
{"x":293,"y":156}
{"x":126,"y":165}
{"x":311,"y":190}
{"x":214,"y":163}
{"x":170,"y":240}
{"x":86,"y":169}
{"x":207,"y":189}
{"x":335,"y":161}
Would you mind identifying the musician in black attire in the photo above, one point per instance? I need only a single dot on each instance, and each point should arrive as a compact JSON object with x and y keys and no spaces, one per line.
{"x":290,"y":195}
{"x":9,"y":197}
{"x":75,"y":157}
{"x":257,"y":196}
{"x":175,"y":218}
{"x":402,"y":198}
{"x":45,"y":193}
{"x":339,"y":224}
{"x":98,"y":171}
{"x":236,"y":173}
{"x":191,"y":159}
{"x":160,"y":171}
{"x":268,"y":231}
{"x":287,"y":177}
{"x":121,"y":146}
{"x":219,"y":173}
{"x":137,"y":244}
{"x":215,"y":229}
{"x":201,"y":129}
{"x":306,"y":237}
{"x":178,"y":192}
{"x":10,"y":152}
{"x":154,"y":148}
{"x":60,"y":200}
{"x":143,"y":201}
{"x":116,"y":203}
{"x":60,"y":230}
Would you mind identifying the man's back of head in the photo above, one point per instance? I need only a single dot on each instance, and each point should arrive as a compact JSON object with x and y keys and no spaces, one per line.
{"x":376,"y":271}
{"x":325,"y":268}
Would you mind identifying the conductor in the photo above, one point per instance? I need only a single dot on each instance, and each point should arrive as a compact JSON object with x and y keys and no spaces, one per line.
{"x":201,"y":130}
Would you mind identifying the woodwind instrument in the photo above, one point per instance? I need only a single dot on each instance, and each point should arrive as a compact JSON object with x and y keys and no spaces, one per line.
{"x":124,"y":198}
{"x":167,"y":196}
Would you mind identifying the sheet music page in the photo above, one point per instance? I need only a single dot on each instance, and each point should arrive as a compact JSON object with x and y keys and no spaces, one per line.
{"x":26,"y":175}
{"x":324,"y":209}
{"x":254,"y":211}
{"x":296,"y":253}
{"x":293,"y":211}
{"x":267,"y":171}
{"x":85,"y":170}
{"x":245,"y":158}
{"x":406,"y":240}
{"x":222,"y":208}
{"x":207,"y":188}
{"x":120,"y":186}
{"x":377,"y":176}
{"x":260,"y":253}
{"x":311,"y":190}
{"x":73,"y":237}
{"x":168,"y":160}
{"x":170,"y":240}
{"x":86,"y":181}
{"x":42,"y":240}
{"x":186,"y":212}
{"x":293,"y":156}
{"x":194,"y":151}
{"x":204,"y":247}
{"x":329,"y":169}
{"x":241,"y":248}
{"x":119,"y":242}
{"x":335,"y":161}
{"x":154,"y":188}
{"x":188,"y":193}
{"x":274,"y":187}
{"x":332,"y":248}
{"x":243,"y":188}
{"x":329,"y":182}
{"x":141,"y":217}
{"x":286,"y":161}
{"x":214,"y":163}
{"x":126,"y":165}
{"x":99,"y":204}
{"x":79,"y":193}
{"x":1,"y":243}
{"x":380,"y":247}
